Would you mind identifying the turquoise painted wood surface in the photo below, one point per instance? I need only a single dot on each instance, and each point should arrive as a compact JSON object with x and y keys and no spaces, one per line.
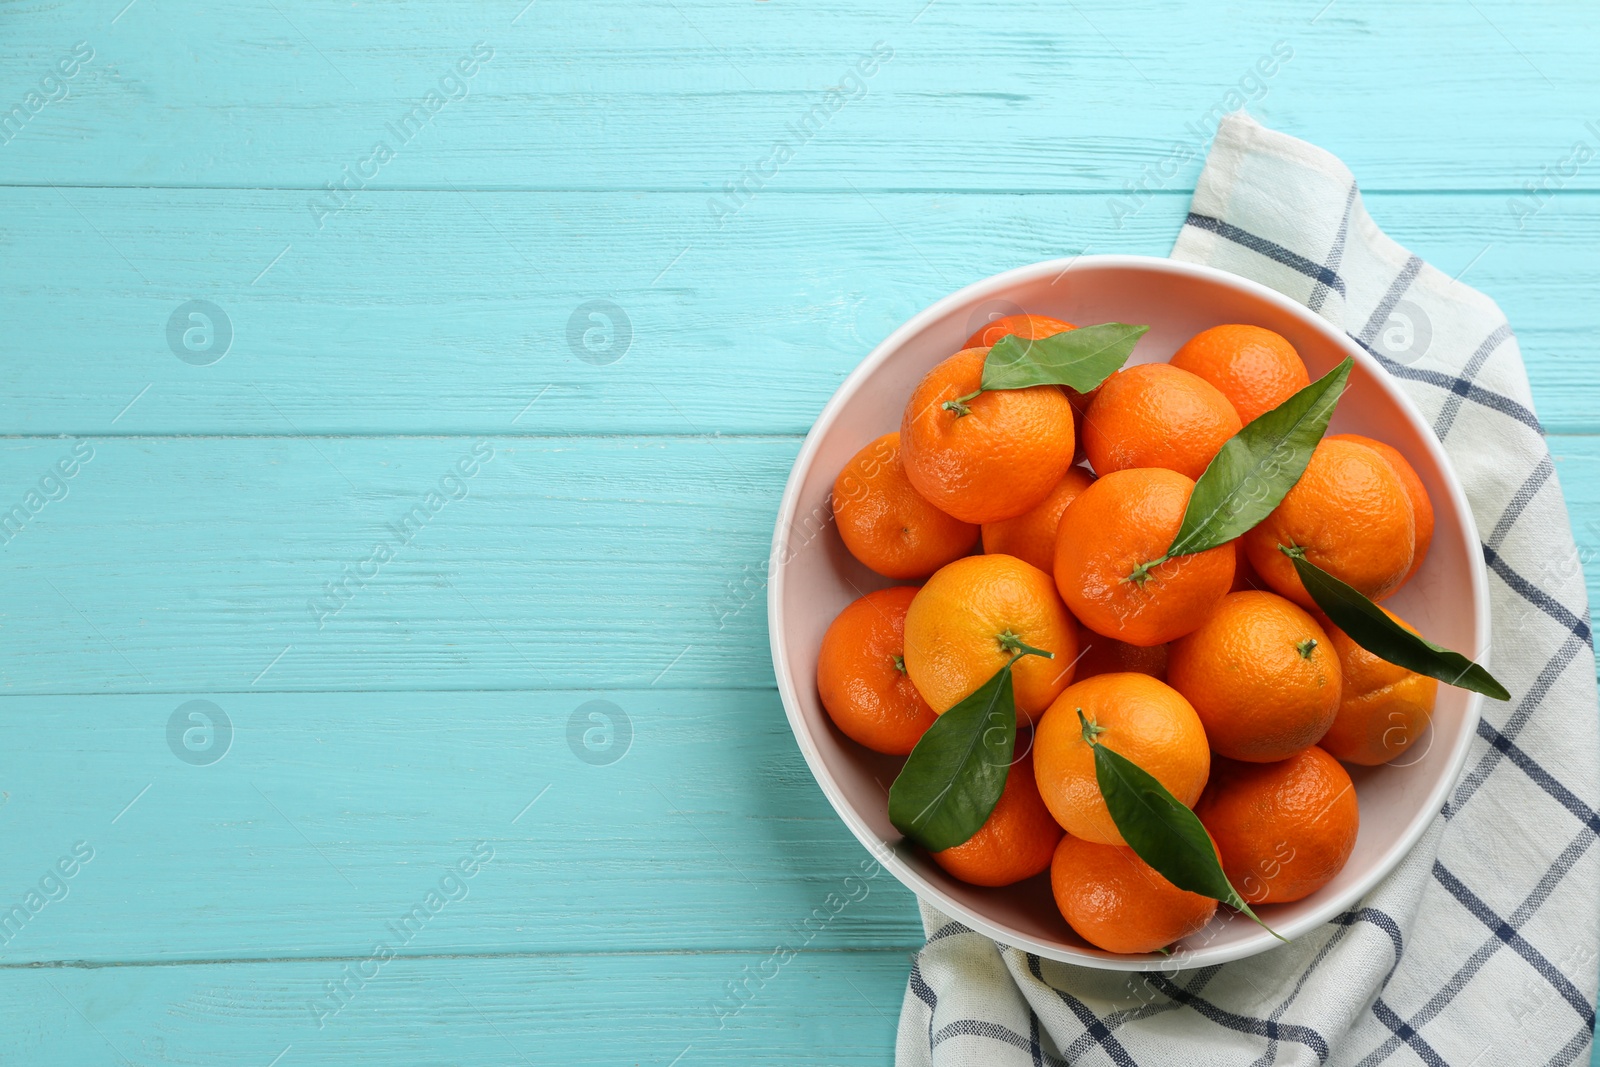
{"x":423,"y":322}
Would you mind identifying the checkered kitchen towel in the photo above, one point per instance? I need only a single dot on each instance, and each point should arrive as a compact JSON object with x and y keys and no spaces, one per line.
{"x":1481,"y":948}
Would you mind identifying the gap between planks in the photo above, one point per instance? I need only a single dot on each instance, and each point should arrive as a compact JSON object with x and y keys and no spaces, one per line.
{"x":694,"y":190}
{"x":96,"y":965}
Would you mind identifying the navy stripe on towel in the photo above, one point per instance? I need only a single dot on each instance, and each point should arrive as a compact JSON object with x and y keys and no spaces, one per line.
{"x":1245,"y":1024}
{"x":1538,"y":597}
{"x":1518,"y":944}
{"x":1271,"y":249}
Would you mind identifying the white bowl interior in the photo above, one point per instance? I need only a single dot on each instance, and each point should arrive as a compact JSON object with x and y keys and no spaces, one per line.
{"x":813,"y":577}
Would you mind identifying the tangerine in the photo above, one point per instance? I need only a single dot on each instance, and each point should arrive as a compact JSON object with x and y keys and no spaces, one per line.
{"x":886,"y":524}
{"x":973,"y":617}
{"x":1262,"y":676}
{"x":1255,"y":368}
{"x":1033,"y":328}
{"x":1245,"y":576}
{"x":1024,"y":326}
{"x":1031,"y":536}
{"x":1284,"y":829}
{"x":984,"y":455}
{"x":1107,"y":655}
{"x":1147,"y":721}
{"x":1015,"y":842}
{"x":1416,"y":492}
{"x":1349,"y":514}
{"x":861,"y":674}
{"x":1156,"y":415}
{"x":1385,"y":708}
{"x":1118,"y":902}
{"x":1110,"y":532}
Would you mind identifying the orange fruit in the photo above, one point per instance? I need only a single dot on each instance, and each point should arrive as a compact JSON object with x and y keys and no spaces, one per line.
{"x":1262,"y":676}
{"x":1107,"y":655}
{"x":886,"y":524}
{"x":1155,"y":415}
{"x":1032,"y":328}
{"x":1350,"y":514}
{"x":1385,"y":708}
{"x":989,"y":456}
{"x":1416,"y":492}
{"x":861,"y":674}
{"x":1015,"y":842}
{"x":1253,"y":367}
{"x":1245,"y":576}
{"x":972,"y":616}
{"x":1119,"y":523}
{"x":1118,"y":902}
{"x":1283,"y":829}
{"x":1026,"y":327}
{"x":1147,"y":721}
{"x":1031,"y":536}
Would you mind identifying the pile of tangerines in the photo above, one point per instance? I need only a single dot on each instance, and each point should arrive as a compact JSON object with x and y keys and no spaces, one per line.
{"x":1031,"y":516}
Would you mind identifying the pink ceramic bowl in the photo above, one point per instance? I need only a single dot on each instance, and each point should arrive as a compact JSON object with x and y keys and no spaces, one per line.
{"x":812,"y":577}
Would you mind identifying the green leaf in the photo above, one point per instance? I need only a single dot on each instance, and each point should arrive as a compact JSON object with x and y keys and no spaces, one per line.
{"x":954,"y":777}
{"x":1080,"y":359}
{"x":1258,"y":466}
{"x":1159,"y":829}
{"x":1374,"y":631}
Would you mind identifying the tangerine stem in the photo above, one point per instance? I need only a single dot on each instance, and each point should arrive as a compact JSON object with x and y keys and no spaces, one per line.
{"x":1141,"y":573}
{"x":1012,"y":643}
{"x":899,"y":663}
{"x":959,"y":404}
{"x":1090,"y":730}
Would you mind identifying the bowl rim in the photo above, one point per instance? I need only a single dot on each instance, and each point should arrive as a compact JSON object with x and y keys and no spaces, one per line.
{"x":888,"y":853}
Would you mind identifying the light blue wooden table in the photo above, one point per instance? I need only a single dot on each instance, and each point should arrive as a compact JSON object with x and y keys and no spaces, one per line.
{"x":483,"y":419}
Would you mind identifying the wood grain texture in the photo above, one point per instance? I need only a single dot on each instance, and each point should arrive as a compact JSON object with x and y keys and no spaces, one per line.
{"x":189,"y":564}
{"x":1030,"y":95}
{"x":604,"y":563}
{"x":449,"y":312}
{"x":330,"y":815}
{"x":610,"y":546}
{"x":817,"y":1007}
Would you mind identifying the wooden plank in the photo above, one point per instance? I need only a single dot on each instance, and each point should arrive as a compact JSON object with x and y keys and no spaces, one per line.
{"x":815,"y":1007}
{"x":656,"y":95}
{"x":450,"y":312}
{"x":309,"y":825}
{"x":1577,"y":463}
{"x":245,"y":564}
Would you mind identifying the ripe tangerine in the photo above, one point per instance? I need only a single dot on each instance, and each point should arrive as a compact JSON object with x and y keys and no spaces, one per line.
{"x":861,"y":674}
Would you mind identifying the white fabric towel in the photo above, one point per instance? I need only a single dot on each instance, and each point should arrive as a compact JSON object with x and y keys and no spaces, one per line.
{"x":1481,"y":948}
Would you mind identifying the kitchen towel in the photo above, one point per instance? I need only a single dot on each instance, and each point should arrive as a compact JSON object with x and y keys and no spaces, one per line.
{"x":1481,"y":947}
